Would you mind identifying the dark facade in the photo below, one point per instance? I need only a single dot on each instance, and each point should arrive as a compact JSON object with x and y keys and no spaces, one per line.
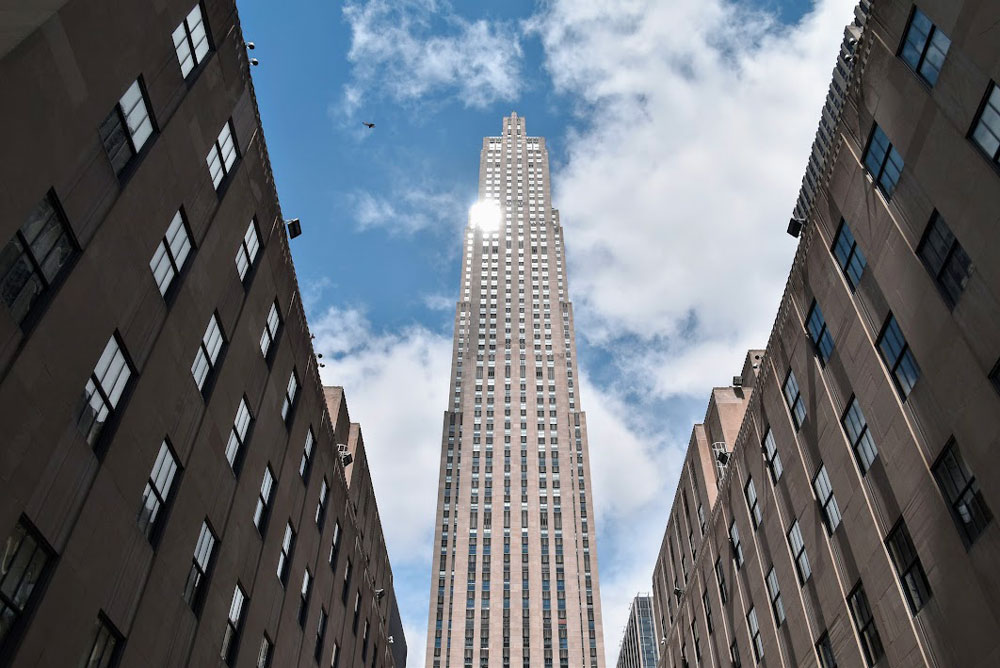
{"x":851,"y":520}
{"x":171,"y":489}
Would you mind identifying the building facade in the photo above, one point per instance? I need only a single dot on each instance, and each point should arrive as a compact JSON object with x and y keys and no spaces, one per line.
{"x":851,"y":523}
{"x":530,"y":598}
{"x":172,"y":492}
{"x":638,"y":647}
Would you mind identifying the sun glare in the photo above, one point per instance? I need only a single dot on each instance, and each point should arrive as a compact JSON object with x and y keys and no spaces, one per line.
{"x":485,"y":215}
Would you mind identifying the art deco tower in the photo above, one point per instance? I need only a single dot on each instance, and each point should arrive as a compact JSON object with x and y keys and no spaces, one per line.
{"x":514,"y":579}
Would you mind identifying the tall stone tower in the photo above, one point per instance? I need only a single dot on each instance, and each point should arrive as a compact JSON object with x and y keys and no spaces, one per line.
{"x":514,"y":579}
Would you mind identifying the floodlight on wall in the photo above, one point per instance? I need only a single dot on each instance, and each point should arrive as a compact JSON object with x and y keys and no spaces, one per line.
{"x":737,"y":381}
{"x":722,"y":457}
{"x":345,"y":457}
{"x":254,"y":62}
{"x":251,"y":46}
{"x":294,"y":228}
{"x":678,"y":592}
{"x":795,"y":226}
{"x":379,"y":594}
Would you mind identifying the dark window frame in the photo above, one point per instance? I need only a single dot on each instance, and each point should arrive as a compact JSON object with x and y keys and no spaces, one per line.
{"x":890,"y":151}
{"x":862,"y":457}
{"x":285,"y":553}
{"x":197,"y":583}
{"x":756,"y":642}
{"x":48,"y":287}
{"x":864,"y":624}
{"x":956,"y":264}
{"x":262,"y":511}
{"x":854,"y":260}
{"x":127,"y":168}
{"x":910,"y":571}
{"x":796,"y":402}
{"x":227,"y":172}
{"x":152,"y":527}
{"x":105,"y":633}
{"x":922,"y":56}
{"x":822,"y":340}
{"x":100,"y":438}
{"x":774,"y":595}
{"x":968,"y":495}
{"x":753,"y":505}
{"x":198,"y":65}
{"x":830,"y":521}
{"x":25,"y":610}
{"x":986,"y":102}
{"x":234,"y":627}
{"x":803,"y":569}
{"x":824,"y":651}
{"x":774,"y":466}
{"x":180,"y":270}
{"x":903,"y":355}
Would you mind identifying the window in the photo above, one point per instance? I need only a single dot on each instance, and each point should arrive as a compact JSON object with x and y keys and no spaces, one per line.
{"x":850,"y":258}
{"x":883,"y":161}
{"x":820,"y":335}
{"x":864,"y":624}
{"x":824,"y":650}
{"x":127,"y":127}
{"x":106,"y":646}
{"x":234,"y":623}
{"x":34,"y":259}
{"x":171,"y":253}
{"x":324,"y":493}
{"x":908,"y":567}
{"x":270,"y":333}
{"x":263,"y":509}
{"x":24,"y":566}
{"x":222,"y":155}
{"x":335,"y":656}
{"x":755,"y":640}
{"x":945,"y":259}
{"x":986,"y":131}
{"x":357,"y":612}
{"x":734,"y":654}
{"x":750,"y":492}
{"x":191,"y":41}
{"x":289,"y":401}
{"x":798,"y":548}
{"x":304,"y":596}
{"x":158,"y":491}
{"x":320,"y":634}
{"x":774,"y":593}
{"x":773,"y":460}
{"x":201,"y":564}
{"x":857,"y":433}
{"x":305,"y":464}
{"x":720,"y":577}
{"x":208,"y":352}
{"x":708,"y":610}
{"x":824,"y":494}
{"x":347,"y":582}
{"x":238,"y":435}
{"x":247,"y":252}
{"x":968,"y":508}
{"x":924,"y":47}
{"x":265,"y":653}
{"x":104,"y":389}
{"x":335,"y":545}
{"x":285,"y":556}
{"x":734,"y":541}
{"x":697,"y":640}
{"x":793,"y":398}
{"x":897,"y":356}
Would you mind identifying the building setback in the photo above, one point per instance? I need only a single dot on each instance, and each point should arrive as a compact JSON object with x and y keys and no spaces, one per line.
{"x":172,"y":491}
{"x":638,"y":647}
{"x":851,"y":523}
{"x":530,"y":598}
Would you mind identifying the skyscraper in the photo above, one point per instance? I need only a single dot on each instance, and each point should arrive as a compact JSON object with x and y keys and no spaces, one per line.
{"x":638,"y":648}
{"x":530,"y":598}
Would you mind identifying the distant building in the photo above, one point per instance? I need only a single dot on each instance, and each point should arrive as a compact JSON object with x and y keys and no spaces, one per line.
{"x":514,"y":572}
{"x":638,"y":647}
{"x":836,"y":508}
{"x":171,"y":486}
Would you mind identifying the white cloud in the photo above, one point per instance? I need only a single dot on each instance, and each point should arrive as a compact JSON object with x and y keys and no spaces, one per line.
{"x":696,"y":120}
{"x":408,"y":209}
{"x":409,"y":50}
{"x":440,"y":302}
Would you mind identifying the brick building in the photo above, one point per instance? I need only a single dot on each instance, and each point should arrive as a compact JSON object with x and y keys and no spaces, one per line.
{"x":841,"y":512}
{"x":172,"y":491}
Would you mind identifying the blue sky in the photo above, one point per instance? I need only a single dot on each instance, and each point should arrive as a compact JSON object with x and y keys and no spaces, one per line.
{"x":678,"y":134}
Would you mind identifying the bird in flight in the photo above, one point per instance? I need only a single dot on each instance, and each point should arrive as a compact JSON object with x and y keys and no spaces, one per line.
{"x":367,"y":124}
